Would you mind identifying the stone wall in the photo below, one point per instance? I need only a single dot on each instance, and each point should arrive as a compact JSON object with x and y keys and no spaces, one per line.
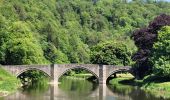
{"x":19,"y":69}
{"x":55,"y":71}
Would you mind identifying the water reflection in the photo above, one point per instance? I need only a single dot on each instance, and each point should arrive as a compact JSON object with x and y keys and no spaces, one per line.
{"x":70,"y":89}
{"x":133,"y":93}
{"x":77,"y":89}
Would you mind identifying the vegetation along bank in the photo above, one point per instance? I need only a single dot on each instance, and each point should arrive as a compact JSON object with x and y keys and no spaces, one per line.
{"x":8,"y":83}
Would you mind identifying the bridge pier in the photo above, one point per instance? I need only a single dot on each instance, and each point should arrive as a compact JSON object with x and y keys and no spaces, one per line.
{"x":102,"y":91}
{"x":102,"y":74}
{"x":55,"y":71}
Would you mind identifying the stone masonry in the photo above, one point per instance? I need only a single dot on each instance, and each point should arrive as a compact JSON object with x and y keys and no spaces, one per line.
{"x":55,"y":71}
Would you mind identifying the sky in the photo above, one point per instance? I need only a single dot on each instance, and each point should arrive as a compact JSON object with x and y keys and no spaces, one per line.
{"x":167,"y":0}
{"x":160,"y":0}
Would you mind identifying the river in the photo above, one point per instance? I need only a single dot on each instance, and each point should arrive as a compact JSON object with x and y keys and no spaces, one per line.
{"x":71,"y":89}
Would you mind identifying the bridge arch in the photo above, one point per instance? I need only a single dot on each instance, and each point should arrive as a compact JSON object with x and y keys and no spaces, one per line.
{"x":29,"y":69}
{"x":78,"y":67}
{"x":117,"y":71}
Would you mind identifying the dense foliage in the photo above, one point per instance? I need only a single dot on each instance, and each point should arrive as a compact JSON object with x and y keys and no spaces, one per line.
{"x":111,"y":53}
{"x":161,"y":53}
{"x":62,"y":31}
{"x":144,"y":39}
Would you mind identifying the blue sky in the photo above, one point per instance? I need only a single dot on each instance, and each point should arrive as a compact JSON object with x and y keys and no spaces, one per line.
{"x":163,"y":0}
{"x":159,"y":0}
{"x":166,"y":0}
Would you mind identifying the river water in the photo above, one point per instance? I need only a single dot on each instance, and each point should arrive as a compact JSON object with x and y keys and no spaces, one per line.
{"x":71,"y":89}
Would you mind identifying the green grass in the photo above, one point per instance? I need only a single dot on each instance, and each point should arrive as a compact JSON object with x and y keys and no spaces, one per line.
{"x":121,"y":80}
{"x":160,"y":87}
{"x":80,"y":76}
{"x":8,"y":83}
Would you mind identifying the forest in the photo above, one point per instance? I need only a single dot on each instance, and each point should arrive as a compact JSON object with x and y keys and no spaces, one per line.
{"x":115,"y":32}
{"x":59,"y":31}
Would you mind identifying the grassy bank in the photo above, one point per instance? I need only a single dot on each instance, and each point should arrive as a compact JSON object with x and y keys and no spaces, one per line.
{"x":157,"y":88}
{"x":157,"y":85}
{"x":80,"y":76}
{"x":8,"y":83}
{"x":122,"y":81}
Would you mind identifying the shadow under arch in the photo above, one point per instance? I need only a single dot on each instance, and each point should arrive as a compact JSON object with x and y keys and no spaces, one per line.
{"x":117,"y":71}
{"x":32,"y":69}
{"x":78,"y":67}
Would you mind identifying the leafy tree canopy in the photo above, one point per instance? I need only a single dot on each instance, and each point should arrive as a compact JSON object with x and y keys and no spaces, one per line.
{"x":111,"y":53}
{"x":160,"y":53}
{"x":144,"y":39}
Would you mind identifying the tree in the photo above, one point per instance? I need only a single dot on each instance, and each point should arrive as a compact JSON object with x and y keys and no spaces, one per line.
{"x":22,"y":47}
{"x":161,"y":53}
{"x":144,"y":39}
{"x":54,"y":55}
{"x":111,"y":53}
{"x":3,"y":38}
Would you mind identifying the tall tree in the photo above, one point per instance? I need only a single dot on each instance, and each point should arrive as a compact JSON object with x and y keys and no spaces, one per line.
{"x":144,"y":39}
{"x":160,"y":53}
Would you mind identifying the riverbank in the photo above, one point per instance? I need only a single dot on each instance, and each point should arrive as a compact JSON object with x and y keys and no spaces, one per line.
{"x":79,"y":76}
{"x":159,"y":89}
{"x":8,"y":83}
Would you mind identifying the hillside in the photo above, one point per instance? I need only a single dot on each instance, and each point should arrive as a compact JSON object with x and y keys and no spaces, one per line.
{"x":62,"y":31}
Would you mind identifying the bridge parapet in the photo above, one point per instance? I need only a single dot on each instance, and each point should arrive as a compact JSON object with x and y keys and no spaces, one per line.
{"x":19,"y":69}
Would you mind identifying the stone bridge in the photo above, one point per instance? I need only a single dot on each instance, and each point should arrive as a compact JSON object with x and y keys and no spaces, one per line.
{"x":55,"y":71}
